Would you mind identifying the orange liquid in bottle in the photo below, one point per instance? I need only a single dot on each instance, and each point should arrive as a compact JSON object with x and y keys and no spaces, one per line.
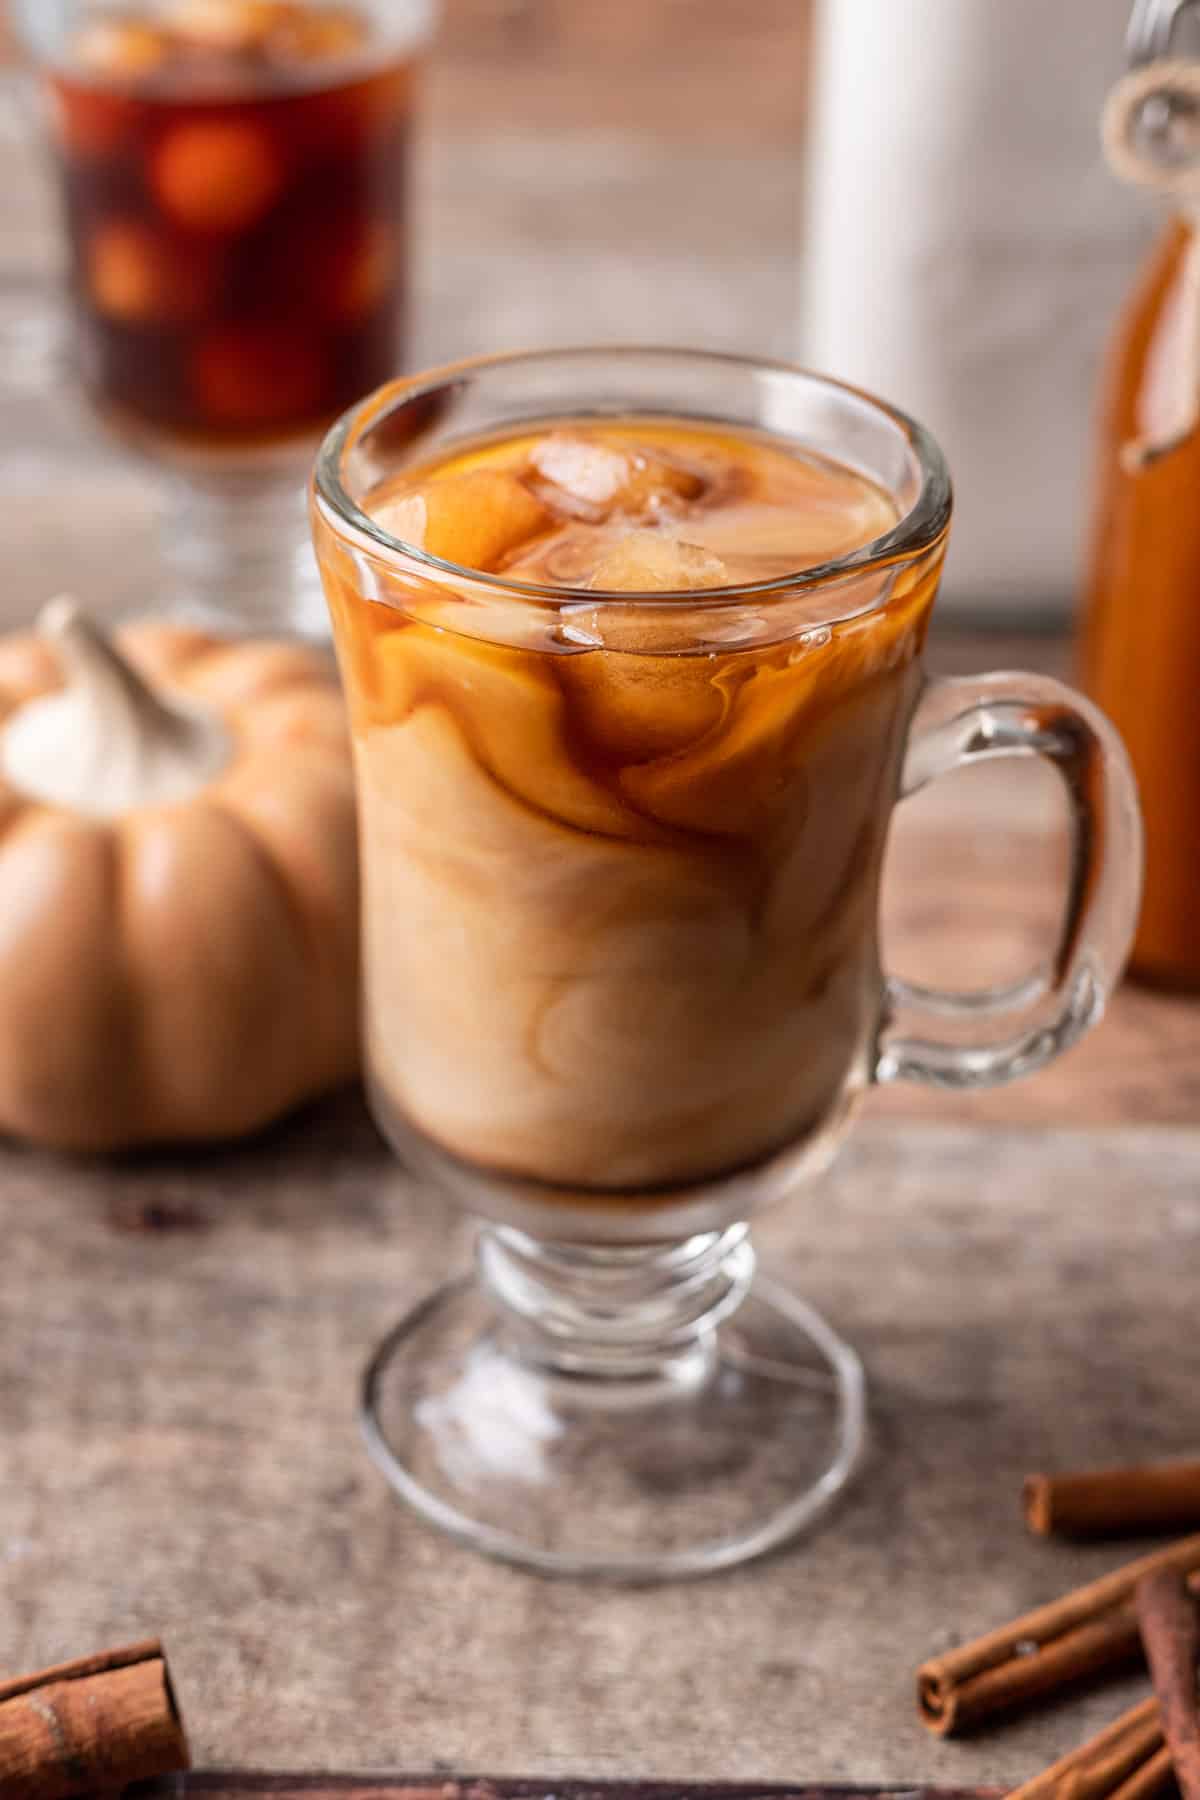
{"x":1141,"y":638}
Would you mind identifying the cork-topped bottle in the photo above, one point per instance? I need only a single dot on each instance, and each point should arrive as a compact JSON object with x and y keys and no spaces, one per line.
{"x":1141,"y":623}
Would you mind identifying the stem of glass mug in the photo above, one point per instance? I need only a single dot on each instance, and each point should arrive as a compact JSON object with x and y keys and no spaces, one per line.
{"x":237,"y":552}
{"x":622,"y":1324}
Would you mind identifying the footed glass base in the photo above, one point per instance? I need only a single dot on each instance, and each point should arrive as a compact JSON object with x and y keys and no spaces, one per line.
{"x":631,"y":1416}
{"x":238,"y":553}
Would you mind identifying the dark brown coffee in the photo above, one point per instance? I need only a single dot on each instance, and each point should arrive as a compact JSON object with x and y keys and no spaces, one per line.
{"x":233,"y":173}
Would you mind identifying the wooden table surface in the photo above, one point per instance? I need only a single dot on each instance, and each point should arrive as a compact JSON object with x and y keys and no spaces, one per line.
{"x":235,"y":1785}
{"x":181,"y":1337}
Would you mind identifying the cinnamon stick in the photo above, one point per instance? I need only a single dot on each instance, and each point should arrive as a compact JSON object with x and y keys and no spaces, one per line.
{"x":1091,"y":1629}
{"x":1107,"y":1502}
{"x":98,"y":1723}
{"x":1155,"y":1774}
{"x":1170,"y":1630}
{"x":1126,"y":1759}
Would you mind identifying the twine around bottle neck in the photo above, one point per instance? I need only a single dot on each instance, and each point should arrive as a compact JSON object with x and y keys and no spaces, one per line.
{"x":1167,"y":81}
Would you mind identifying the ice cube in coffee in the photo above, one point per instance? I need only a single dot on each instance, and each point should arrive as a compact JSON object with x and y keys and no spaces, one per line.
{"x":233,"y":174}
{"x":622,"y":846}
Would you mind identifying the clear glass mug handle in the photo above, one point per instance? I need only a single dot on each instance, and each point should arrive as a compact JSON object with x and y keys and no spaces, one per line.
{"x":1003,"y":1033}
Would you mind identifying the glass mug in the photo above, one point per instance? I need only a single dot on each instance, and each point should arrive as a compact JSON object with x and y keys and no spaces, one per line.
{"x":621,"y":858}
{"x":232,"y":176}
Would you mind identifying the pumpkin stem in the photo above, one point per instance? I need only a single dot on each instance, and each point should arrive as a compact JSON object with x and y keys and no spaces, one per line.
{"x":108,"y":742}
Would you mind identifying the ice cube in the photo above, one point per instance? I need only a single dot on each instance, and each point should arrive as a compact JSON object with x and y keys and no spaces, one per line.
{"x":406,"y":517}
{"x":635,"y":708}
{"x":259,"y":376}
{"x":308,"y":36}
{"x":353,"y":272}
{"x":592,"y":480}
{"x":738,"y":776}
{"x":93,"y":122}
{"x":763,"y":541}
{"x":229,"y":26}
{"x":136,"y":276}
{"x":564,"y":557}
{"x":633,"y":700}
{"x":471,"y":519}
{"x":586,"y":473}
{"x":651,"y":562}
{"x":121,"y":48}
{"x":217,"y":174}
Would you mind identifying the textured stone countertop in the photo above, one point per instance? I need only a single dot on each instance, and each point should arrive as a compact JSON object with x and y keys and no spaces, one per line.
{"x":180,"y":1346}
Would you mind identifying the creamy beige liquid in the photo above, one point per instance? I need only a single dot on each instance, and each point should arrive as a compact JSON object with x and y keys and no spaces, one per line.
{"x":620,"y":902}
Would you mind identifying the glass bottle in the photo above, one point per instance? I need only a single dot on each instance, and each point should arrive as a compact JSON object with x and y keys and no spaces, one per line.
{"x":1141,"y":621}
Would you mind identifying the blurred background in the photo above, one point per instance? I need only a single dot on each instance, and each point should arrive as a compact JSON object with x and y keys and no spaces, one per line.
{"x":615,"y":171}
{"x":620,"y":147}
{"x":642,"y":157}
{"x":903,"y":196}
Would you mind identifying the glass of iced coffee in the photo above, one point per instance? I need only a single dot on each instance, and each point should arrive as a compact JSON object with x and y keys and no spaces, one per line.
{"x":632,"y":646}
{"x":232,"y":176}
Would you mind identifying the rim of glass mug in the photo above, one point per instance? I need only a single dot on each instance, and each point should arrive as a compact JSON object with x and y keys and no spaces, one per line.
{"x":922,"y":484}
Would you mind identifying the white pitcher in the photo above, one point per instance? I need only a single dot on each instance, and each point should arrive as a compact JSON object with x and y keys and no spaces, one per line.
{"x":967,"y":252}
